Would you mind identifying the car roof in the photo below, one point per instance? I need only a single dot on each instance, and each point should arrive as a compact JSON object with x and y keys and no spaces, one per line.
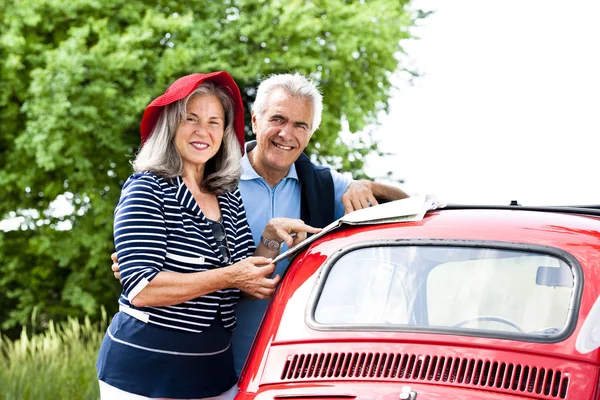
{"x":581,"y":209}
{"x":559,"y":227}
{"x":414,"y":209}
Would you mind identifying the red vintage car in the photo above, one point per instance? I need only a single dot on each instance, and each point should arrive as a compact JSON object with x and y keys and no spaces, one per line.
{"x":464,"y":302}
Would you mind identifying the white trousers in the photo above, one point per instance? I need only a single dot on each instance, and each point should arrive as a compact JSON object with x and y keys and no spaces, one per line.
{"x":108,"y":392}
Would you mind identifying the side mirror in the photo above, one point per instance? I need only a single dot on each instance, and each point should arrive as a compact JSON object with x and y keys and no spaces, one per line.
{"x":588,"y":338}
{"x":554,"y":276}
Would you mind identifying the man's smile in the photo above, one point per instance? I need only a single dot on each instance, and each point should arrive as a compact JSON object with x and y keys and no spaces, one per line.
{"x":282,"y":147}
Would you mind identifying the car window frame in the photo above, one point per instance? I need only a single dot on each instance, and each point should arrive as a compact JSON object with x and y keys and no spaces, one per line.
{"x":569,"y":259}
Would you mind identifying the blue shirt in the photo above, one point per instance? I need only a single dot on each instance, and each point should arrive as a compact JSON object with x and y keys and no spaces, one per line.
{"x":263,"y":203}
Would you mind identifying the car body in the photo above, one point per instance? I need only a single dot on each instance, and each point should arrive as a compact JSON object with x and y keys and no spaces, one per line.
{"x":467,"y":302}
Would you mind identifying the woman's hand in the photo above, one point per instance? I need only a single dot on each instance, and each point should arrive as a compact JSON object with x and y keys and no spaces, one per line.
{"x":252,"y":276}
{"x":115,"y":266}
{"x":289,"y":230}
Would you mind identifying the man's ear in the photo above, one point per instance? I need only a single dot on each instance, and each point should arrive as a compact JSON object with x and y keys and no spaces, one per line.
{"x":253,"y":122}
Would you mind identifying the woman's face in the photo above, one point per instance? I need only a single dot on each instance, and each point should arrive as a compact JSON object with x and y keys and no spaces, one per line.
{"x":200,"y":134}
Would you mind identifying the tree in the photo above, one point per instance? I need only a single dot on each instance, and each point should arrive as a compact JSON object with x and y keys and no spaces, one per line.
{"x":76,"y":76}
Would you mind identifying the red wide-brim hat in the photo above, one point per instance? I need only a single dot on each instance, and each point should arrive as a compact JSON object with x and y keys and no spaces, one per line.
{"x":181,"y":88}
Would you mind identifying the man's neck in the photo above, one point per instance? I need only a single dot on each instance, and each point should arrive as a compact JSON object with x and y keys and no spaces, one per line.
{"x":271,"y":175}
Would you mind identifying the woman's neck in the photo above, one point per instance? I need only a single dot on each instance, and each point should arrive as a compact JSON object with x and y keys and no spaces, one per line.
{"x":193,"y":175}
{"x":207,"y":201}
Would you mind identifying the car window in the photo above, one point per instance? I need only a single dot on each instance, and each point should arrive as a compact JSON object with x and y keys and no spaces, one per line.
{"x":444,"y":287}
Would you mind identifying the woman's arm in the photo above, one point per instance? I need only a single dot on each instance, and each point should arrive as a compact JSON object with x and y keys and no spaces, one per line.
{"x":140,"y":233}
{"x":250,"y":275}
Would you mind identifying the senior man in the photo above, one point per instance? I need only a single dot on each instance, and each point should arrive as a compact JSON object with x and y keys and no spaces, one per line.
{"x":279,"y":180}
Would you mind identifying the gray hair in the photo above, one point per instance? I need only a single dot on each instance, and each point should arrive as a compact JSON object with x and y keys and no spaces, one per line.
{"x":160,"y":156}
{"x":296,"y":85}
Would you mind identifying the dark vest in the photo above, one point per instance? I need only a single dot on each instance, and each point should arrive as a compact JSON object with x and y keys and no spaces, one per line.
{"x":317,"y":203}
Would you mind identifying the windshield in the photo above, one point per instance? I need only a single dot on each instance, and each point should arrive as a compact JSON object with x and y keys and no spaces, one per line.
{"x":442,"y":287}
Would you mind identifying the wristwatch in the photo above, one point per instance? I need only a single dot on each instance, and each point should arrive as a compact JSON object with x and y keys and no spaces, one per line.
{"x":271,"y":244}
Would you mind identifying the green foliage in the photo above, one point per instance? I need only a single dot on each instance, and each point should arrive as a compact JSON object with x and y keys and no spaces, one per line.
{"x":76,"y":75}
{"x":57,"y":364}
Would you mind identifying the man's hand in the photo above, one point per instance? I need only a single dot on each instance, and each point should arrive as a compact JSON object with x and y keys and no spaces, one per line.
{"x":358,"y":195}
{"x":289,"y":230}
{"x":115,"y":266}
{"x":363,"y":193}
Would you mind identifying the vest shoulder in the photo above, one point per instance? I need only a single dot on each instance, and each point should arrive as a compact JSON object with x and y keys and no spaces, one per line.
{"x":304,"y":161}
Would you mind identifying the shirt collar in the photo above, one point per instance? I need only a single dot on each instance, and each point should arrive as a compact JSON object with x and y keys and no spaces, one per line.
{"x":186,"y":199}
{"x":248,"y":172}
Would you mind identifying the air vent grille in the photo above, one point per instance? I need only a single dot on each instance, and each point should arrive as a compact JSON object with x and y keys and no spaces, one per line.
{"x":459,"y":371}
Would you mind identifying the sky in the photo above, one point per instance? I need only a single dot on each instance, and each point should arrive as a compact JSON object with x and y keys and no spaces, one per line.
{"x":507,"y":107}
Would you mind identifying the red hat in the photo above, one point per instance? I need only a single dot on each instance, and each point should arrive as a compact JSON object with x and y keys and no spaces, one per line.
{"x":181,"y":88}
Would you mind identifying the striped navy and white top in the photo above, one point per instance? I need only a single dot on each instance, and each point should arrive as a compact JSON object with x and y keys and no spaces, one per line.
{"x":159,"y":227}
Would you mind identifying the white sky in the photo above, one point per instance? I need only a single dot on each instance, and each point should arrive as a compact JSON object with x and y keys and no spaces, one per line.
{"x":508,"y":107}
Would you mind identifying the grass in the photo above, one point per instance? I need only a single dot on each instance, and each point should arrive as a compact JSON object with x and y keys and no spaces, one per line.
{"x":56,"y":364}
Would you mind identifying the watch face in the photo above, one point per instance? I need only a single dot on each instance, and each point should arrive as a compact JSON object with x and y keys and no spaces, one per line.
{"x":273,"y":245}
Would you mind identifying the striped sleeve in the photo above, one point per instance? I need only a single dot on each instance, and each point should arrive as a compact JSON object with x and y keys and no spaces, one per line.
{"x":245,"y":243}
{"x":140,"y":233}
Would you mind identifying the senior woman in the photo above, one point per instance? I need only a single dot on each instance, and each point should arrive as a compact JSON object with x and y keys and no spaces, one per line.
{"x":185,"y":249}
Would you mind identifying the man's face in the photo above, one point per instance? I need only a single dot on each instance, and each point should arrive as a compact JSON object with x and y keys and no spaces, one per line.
{"x":282,"y":131}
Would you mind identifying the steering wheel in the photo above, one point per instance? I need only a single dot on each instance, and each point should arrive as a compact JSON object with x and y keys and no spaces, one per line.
{"x":488,"y":318}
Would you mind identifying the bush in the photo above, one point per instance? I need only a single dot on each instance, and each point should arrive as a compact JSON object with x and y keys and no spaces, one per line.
{"x":56,"y":364}
{"x":75,"y":77}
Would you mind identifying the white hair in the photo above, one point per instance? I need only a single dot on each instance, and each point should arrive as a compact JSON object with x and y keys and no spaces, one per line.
{"x":296,"y":85}
{"x":160,"y":156}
